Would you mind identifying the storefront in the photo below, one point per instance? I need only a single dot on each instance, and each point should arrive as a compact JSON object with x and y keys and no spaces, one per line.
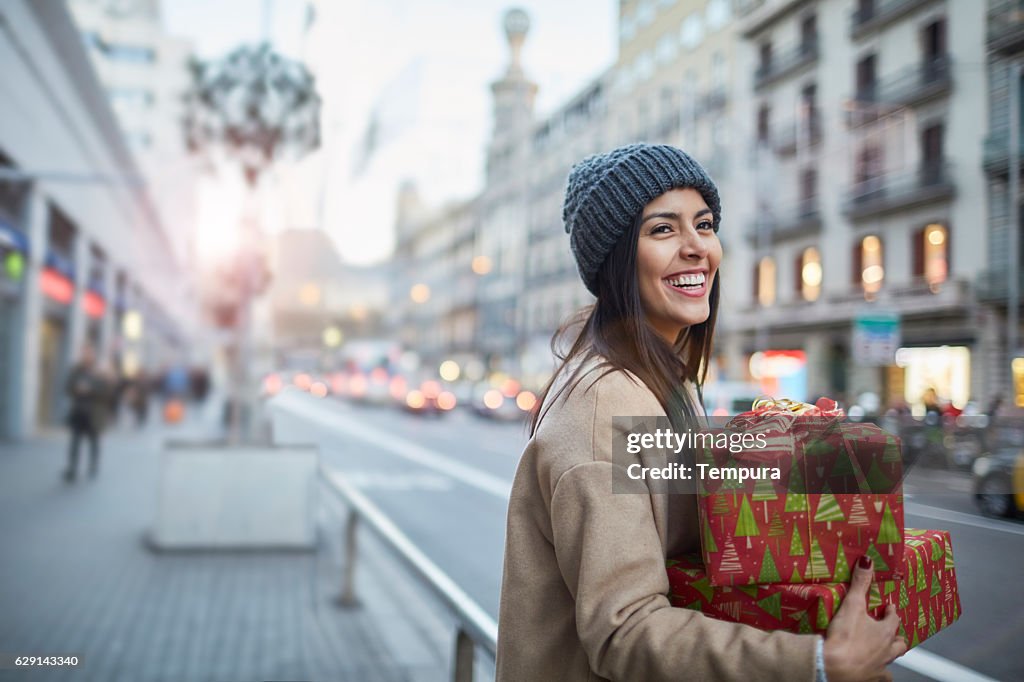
{"x":56,"y":283}
{"x":13,"y":250}
{"x":946,"y":370}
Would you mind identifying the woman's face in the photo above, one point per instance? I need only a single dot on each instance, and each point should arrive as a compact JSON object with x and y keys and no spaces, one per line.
{"x":677,"y":258}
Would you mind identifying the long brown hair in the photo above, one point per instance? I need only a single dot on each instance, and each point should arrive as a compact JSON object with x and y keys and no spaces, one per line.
{"x":615,"y":328}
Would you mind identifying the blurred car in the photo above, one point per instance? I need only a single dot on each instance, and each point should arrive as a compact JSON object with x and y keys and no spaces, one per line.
{"x":430,"y":397}
{"x":505,"y":402}
{"x":999,"y":482}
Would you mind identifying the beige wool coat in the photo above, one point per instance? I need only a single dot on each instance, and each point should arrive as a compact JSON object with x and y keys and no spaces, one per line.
{"x":584,"y":593}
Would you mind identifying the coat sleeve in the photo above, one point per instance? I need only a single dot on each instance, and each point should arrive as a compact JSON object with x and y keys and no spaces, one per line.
{"x":610,"y":555}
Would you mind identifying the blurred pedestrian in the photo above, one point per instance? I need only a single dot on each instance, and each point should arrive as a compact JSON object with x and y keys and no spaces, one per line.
{"x":138,"y":397}
{"x":584,"y":594}
{"x":90,"y":403}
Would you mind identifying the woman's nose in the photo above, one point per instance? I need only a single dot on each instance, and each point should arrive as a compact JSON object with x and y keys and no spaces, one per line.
{"x":692,"y":246}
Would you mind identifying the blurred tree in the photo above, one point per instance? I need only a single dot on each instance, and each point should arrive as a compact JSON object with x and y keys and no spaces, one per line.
{"x":255,"y":106}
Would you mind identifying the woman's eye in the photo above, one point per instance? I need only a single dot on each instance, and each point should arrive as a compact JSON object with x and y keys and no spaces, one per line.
{"x":707,"y":225}
{"x":661,"y":229}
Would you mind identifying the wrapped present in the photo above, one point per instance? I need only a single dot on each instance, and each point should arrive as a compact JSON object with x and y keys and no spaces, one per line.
{"x":926,"y":599}
{"x":837,"y":497}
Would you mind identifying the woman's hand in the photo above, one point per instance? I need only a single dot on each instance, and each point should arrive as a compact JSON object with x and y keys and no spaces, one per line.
{"x":858,"y":647}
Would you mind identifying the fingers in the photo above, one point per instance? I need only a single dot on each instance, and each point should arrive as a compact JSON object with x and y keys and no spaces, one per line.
{"x":897,"y":648}
{"x":861,"y":577}
{"x":891,"y":620}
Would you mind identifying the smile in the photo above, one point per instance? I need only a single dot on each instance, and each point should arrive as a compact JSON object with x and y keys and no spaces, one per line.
{"x":692,"y":284}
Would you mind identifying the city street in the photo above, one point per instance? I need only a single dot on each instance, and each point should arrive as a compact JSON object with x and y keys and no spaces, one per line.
{"x":445,"y":483}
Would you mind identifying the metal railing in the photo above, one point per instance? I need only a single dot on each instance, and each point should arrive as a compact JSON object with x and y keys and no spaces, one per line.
{"x":778,"y":66}
{"x":880,"y":193}
{"x":873,"y":17}
{"x":475,"y":627}
{"x":1005,"y":25}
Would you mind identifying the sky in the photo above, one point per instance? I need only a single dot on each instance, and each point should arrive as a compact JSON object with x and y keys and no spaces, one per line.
{"x":421,"y":70}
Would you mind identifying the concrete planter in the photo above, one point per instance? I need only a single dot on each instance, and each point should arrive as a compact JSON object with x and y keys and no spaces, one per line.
{"x":216,"y":496}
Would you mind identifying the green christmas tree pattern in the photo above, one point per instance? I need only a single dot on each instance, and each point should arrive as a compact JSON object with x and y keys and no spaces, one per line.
{"x":769,"y":573}
{"x":888,"y":533}
{"x":828,"y":510}
{"x":936,"y":586}
{"x":796,"y":481}
{"x":772,"y":605}
{"x":796,"y":502}
{"x":818,"y":567}
{"x":796,"y":578}
{"x":876,"y":558}
{"x":796,"y":544}
{"x":709,"y":538}
{"x":858,"y":516}
{"x":746,"y":524}
{"x":922,"y":580}
{"x":730,"y":562}
{"x":842,"y":569}
{"x":823,"y":616}
{"x":877,"y":481}
{"x":764,"y":491}
{"x":874,"y":595}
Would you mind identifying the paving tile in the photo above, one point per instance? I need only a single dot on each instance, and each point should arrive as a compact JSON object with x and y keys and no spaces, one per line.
{"x":77,"y":578}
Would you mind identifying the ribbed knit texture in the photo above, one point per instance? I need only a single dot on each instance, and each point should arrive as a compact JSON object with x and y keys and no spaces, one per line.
{"x":606,"y":192}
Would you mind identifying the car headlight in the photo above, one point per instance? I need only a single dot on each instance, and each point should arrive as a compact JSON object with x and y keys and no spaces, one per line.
{"x":982,"y":466}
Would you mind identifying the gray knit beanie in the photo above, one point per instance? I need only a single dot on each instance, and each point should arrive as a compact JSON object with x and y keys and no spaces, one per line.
{"x":606,"y":192}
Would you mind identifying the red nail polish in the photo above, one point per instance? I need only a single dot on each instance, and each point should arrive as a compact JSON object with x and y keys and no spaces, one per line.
{"x":864,"y":561}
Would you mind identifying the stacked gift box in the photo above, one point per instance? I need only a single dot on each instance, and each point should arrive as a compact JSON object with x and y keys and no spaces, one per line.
{"x":777,"y":553}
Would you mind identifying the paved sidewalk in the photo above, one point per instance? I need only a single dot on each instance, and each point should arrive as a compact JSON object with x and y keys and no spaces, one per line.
{"x":76,"y":578}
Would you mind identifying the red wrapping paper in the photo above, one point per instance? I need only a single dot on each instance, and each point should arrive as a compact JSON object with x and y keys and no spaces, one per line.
{"x":926,"y":600}
{"x":775,"y":531}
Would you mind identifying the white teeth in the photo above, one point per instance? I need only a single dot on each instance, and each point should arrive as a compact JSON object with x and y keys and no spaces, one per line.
{"x":693,"y":280}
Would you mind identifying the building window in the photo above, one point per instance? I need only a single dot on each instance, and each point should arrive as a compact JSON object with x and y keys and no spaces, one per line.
{"x":764,"y":115}
{"x":765,"y":63}
{"x":717,"y":14}
{"x":718,"y":70}
{"x":808,"y":34}
{"x":809,"y":112}
{"x":131,"y":54}
{"x":691,"y":32}
{"x":933,"y":42}
{"x":931,"y":255}
{"x":808,"y":189}
{"x":809,"y":274}
{"x":932,"y":153}
{"x":868,"y":265}
{"x":764,"y":281}
{"x":867,"y":78}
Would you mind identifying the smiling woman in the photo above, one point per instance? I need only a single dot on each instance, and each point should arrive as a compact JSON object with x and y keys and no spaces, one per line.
{"x":677,"y":261}
{"x":585,"y":592}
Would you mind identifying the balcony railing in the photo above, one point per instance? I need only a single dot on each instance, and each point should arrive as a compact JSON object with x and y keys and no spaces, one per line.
{"x":787,"y":222}
{"x":1006,"y":26}
{"x":993,"y":286}
{"x":997,"y":152}
{"x":911,"y":86}
{"x":778,"y":67}
{"x":714,"y":99}
{"x":872,"y":19}
{"x":799,"y":132}
{"x":887,"y":193}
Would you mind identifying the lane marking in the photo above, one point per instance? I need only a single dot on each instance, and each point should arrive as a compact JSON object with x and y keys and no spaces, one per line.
{"x":938,"y":668}
{"x":951,"y":516}
{"x":380,"y":480}
{"x":399,"y":446}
